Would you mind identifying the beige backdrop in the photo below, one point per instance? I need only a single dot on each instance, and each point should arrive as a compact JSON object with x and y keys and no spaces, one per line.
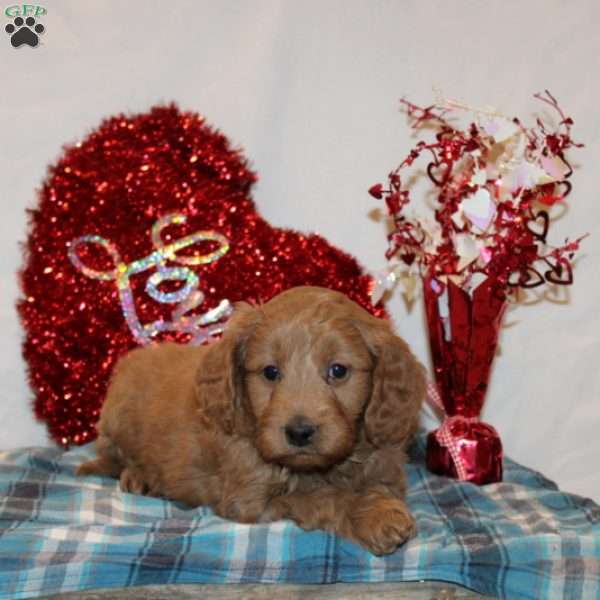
{"x":310,"y":90}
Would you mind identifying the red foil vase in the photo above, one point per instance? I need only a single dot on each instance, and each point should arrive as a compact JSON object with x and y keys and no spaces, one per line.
{"x":463,"y":336}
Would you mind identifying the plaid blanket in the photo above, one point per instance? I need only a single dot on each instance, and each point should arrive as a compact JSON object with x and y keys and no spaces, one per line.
{"x":521,"y":538}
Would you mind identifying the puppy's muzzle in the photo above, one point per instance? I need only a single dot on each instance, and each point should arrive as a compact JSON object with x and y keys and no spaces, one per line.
{"x":300,"y":432}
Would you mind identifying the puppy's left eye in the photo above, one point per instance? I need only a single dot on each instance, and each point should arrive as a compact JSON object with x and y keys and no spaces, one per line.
{"x":337,"y":371}
{"x":271,"y":372}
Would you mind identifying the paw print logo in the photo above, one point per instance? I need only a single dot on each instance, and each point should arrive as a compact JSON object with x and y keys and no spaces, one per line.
{"x":24,"y":32}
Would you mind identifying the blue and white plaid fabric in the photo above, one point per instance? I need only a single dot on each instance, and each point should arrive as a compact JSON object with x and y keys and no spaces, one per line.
{"x":522,"y":538}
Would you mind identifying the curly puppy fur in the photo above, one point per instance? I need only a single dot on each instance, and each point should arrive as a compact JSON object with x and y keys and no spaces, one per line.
{"x":210,"y":426}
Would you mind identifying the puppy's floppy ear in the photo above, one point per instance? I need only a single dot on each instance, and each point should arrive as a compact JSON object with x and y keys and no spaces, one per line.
{"x":219,"y":383}
{"x":392,"y":414}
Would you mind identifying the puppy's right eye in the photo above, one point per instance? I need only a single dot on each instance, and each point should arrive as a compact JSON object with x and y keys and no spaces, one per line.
{"x":271,"y":373}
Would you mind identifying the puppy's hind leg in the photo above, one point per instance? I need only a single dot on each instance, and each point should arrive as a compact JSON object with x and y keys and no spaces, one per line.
{"x":107,"y":463}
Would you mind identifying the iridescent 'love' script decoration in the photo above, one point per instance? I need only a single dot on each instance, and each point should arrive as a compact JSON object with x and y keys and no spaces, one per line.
{"x":187,"y":298}
{"x":495,"y":184}
{"x":145,"y":231}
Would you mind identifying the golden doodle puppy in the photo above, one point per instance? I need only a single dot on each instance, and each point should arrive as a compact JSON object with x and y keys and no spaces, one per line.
{"x":302,"y":411}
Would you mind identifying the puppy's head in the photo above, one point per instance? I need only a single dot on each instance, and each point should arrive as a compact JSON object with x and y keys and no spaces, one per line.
{"x":311,"y":373}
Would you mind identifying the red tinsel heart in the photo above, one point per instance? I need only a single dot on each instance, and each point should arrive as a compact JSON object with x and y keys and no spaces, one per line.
{"x":538,"y":225}
{"x":439,"y":173}
{"x":528,"y":277}
{"x":566,"y":186}
{"x":141,"y":230}
{"x":559,"y":273}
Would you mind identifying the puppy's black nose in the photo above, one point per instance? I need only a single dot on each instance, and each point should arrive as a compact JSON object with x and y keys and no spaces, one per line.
{"x":299,"y":432}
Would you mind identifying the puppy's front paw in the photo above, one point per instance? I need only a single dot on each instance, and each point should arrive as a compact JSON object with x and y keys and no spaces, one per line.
{"x":89,"y":467}
{"x":101,"y":466}
{"x":131,"y":482}
{"x":381,"y":523}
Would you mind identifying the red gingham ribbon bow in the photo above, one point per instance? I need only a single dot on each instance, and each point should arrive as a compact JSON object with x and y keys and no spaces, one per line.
{"x":444,"y":434}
